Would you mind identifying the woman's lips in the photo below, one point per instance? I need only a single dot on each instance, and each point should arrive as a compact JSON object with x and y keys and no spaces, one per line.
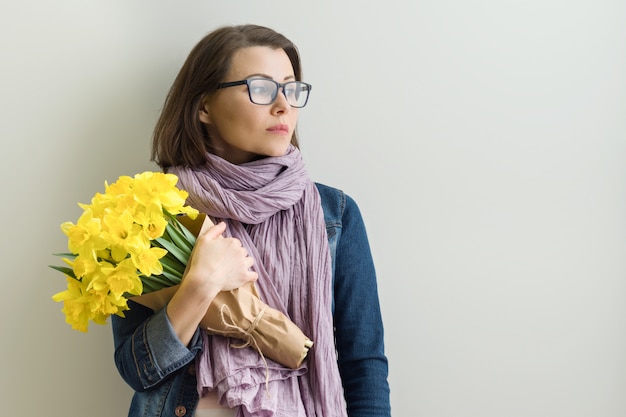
{"x":279,"y":129}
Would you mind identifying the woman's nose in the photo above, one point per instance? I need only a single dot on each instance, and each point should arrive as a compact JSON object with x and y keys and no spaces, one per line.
{"x":281,"y":105}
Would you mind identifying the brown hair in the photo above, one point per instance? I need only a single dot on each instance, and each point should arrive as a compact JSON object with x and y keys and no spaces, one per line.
{"x":179,"y":137}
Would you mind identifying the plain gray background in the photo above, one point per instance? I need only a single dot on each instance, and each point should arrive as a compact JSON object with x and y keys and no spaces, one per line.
{"x":483,"y":140}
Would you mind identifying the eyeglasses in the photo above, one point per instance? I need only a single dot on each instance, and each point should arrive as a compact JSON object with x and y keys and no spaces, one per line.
{"x":264,"y":91}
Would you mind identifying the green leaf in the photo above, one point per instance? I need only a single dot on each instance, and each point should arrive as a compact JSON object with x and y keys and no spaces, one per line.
{"x":173,"y":266}
{"x":147,"y":288}
{"x":177,"y":233}
{"x":66,"y":255}
{"x":173,"y":249}
{"x":174,"y":278}
{"x":156,"y":282}
{"x":188,"y":235}
{"x":64,"y":269}
{"x":178,"y":239}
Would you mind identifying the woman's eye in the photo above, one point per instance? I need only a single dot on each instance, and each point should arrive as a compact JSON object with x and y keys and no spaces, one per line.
{"x":258,"y":90}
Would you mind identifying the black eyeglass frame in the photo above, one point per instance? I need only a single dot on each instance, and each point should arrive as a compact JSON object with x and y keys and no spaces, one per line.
{"x":279,"y":87}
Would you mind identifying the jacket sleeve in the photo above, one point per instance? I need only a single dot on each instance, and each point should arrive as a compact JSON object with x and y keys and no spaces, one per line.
{"x":146,"y":348}
{"x":358,"y":323}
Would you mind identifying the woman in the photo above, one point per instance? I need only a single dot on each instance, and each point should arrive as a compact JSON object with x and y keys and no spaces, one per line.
{"x":228,"y":131}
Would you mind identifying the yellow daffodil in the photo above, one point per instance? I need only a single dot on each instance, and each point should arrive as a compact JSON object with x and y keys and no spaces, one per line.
{"x":103,"y":303}
{"x":119,"y":246}
{"x":84,"y":237}
{"x":124,"y":279}
{"x":83,"y":265}
{"x":148,"y":261}
{"x":159,"y":189}
{"x":97,"y":279}
{"x":153,"y":223}
{"x":122,"y":187}
{"x":75,"y":305}
{"x":124,"y":235}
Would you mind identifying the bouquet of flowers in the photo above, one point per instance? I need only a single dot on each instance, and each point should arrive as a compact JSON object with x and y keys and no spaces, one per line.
{"x":131,"y":241}
{"x":127,"y":242}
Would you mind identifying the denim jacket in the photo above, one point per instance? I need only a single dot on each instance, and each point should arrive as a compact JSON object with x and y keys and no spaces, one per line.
{"x":161,"y":370}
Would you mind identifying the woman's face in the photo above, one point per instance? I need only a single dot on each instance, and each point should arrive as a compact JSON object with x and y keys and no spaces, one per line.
{"x":241,"y":131}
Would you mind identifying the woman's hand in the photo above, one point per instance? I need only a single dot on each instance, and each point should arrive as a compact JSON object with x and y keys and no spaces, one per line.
{"x":216,"y":264}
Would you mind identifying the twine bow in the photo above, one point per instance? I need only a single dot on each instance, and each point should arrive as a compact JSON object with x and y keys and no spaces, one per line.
{"x":245,"y":334}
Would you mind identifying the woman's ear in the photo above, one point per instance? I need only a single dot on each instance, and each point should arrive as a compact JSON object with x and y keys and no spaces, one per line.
{"x":203,"y":113}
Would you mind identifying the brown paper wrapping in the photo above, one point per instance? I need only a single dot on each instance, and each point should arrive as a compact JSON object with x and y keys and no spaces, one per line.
{"x":241,"y":314}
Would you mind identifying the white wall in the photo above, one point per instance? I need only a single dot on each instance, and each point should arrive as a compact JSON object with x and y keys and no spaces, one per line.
{"x":483,"y":140}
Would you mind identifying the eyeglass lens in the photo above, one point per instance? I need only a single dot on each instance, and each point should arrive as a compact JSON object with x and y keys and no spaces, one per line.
{"x":264,"y":91}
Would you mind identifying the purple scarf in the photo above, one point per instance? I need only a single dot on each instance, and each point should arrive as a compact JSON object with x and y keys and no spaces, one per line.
{"x":273,"y":207}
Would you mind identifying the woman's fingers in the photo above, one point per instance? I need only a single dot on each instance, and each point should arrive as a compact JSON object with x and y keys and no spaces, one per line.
{"x":211,"y":231}
{"x":220,"y":262}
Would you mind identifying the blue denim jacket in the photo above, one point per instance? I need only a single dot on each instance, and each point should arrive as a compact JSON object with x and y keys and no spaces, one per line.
{"x":161,"y":369}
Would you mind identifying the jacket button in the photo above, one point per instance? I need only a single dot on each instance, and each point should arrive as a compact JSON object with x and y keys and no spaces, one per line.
{"x":180,"y":411}
{"x":191,"y":369}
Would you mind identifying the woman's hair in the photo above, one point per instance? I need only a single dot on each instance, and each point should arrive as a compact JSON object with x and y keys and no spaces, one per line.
{"x":179,"y":137}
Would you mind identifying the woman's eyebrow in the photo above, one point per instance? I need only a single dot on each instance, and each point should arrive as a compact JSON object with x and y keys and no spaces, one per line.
{"x":289,"y":77}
